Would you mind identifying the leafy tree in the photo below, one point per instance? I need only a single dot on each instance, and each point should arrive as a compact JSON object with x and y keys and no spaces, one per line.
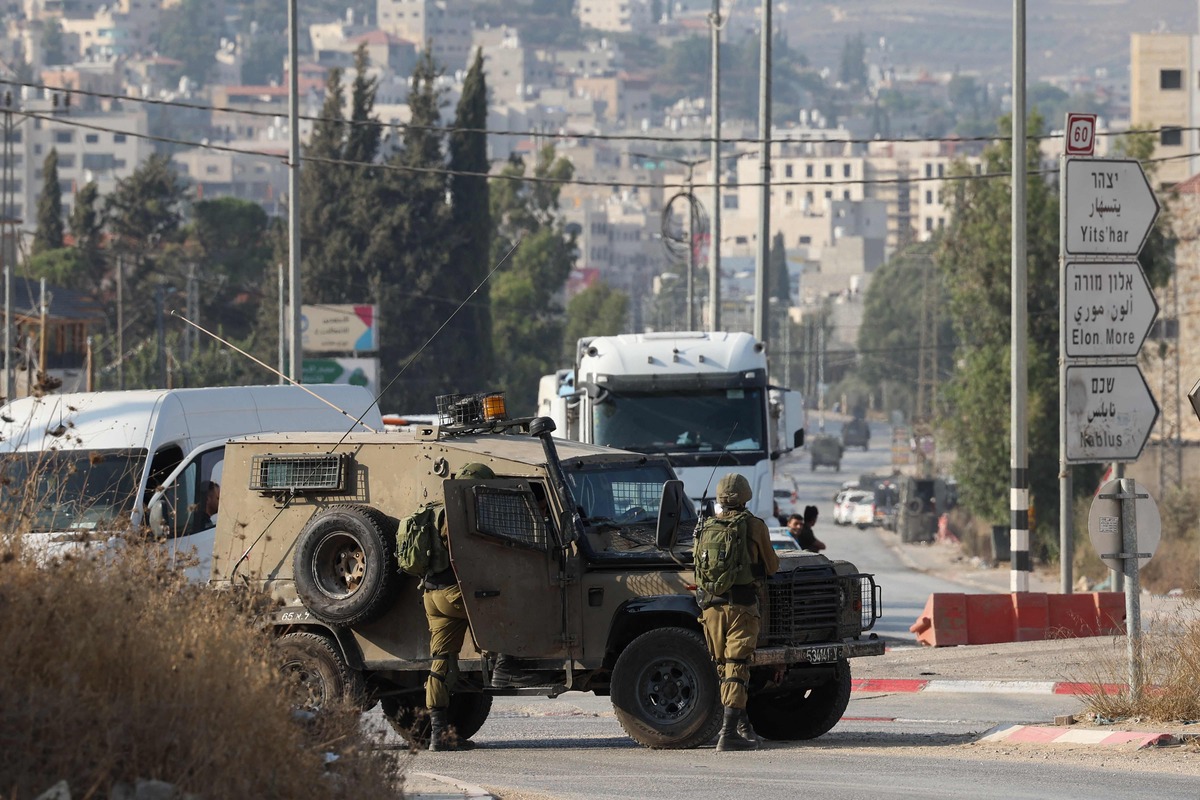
{"x":234,"y":259}
{"x":87,"y":227}
{"x":49,"y":233}
{"x":527,"y":322}
{"x":598,"y":310}
{"x":975,"y":260}
{"x":466,"y":349}
{"x":853,"y":67}
{"x":187,"y":34}
{"x":778,"y":279}
{"x":53,"y":46}
{"x":889,"y":339}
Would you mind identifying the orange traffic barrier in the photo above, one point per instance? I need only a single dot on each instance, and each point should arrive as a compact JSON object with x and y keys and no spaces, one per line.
{"x":952,"y":619}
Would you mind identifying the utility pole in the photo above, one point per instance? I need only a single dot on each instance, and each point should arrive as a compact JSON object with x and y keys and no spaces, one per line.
{"x":120,"y":322}
{"x":160,"y":300}
{"x":1170,"y":456}
{"x":296,"y":370}
{"x":764,"y":197}
{"x":43,"y":314}
{"x":691,"y":255}
{"x":282,"y":329}
{"x":6,"y":227}
{"x":1019,"y":496}
{"x":714,"y":242}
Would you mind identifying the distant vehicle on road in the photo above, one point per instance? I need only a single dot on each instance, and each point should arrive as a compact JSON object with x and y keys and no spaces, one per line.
{"x":855,"y":507}
{"x":825,"y":451}
{"x":856,"y":433}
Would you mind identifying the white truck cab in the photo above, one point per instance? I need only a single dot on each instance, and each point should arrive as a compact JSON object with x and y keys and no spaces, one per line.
{"x":81,"y":467}
{"x":702,"y":399}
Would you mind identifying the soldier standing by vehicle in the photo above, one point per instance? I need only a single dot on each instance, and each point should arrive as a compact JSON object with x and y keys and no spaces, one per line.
{"x":448,"y":625}
{"x":731,"y":618}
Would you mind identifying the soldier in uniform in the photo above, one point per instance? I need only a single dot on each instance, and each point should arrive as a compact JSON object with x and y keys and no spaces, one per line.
{"x":447,"y":618}
{"x":731,"y":628}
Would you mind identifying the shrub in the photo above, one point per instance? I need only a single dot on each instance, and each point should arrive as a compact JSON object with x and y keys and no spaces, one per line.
{"x":116,"y":670}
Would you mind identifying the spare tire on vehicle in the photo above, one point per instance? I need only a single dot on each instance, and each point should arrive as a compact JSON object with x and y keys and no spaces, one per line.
{"x":345,"y":564}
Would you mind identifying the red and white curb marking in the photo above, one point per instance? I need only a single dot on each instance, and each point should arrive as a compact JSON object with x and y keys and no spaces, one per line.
{"x":1032,"y":734}
{"x":898,"y":685}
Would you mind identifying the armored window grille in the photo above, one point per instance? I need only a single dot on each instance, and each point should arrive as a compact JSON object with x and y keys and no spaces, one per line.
{"x":627,"y":495}
{"x":509,"y":514}
{"x":300,"y":473}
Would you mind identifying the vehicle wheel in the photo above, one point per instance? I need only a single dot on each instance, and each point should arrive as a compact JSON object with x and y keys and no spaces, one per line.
{"x":664,"y":690}
{"x":345,"y":565}
{"x":317,"y":674}
{"x":862,"y":526}
{"x":801,"y":713}
{"x":408,"y":716}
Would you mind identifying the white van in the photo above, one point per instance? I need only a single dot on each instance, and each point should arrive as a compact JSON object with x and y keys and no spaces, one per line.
{"x":79,"y":465}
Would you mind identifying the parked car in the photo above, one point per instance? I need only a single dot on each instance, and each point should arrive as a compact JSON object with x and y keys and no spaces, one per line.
{"x":862,"y":510}
{"x":782,"y":541}
{"x":848,"y":502}
{"x":856,"y":433}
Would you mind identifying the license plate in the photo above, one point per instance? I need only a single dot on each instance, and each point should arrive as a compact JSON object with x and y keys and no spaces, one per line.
{"x":821,"y":655}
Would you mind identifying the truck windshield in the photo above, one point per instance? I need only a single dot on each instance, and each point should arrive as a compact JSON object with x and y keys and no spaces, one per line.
{"x":683,"y":421}
{"x":69,"y":489}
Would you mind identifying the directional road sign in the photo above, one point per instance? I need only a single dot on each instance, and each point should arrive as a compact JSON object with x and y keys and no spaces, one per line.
{"x":1110,"y":308}
{"x":1110,"y":413}
{"x":1109,"y":207}
{"x":1104,"y":524}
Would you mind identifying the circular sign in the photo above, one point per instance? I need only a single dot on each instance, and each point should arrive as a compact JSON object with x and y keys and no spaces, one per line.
{"x":1104,"y":524}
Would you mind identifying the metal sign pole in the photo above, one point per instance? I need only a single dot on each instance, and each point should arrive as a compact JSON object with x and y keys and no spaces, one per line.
{"x":1133,"y":609}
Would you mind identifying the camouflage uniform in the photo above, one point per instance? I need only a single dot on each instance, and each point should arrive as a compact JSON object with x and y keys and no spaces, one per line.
{"x":447,"y":618}
{"x":731,"y":629}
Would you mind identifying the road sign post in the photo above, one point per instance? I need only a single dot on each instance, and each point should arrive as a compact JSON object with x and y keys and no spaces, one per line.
{"x":1106,"y":308}
{"x":1124,"y":513}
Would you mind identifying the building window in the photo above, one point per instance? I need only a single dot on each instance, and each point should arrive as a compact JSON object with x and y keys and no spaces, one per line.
{"x":828,"y":194}
{"x":808,"y":170}
{"x":929,"y":196}
{"x":118,"y":138}
{"x":66,"y":161}
{"x":787,"y":198}
{"x":1170,"y":79}
{"x":729,"y":201}
{"x":92,"y":138}
{"x":63,"y":137}
{"x":929,"y":223}
{"x":845,"y":170}
{"x":808,"y":198}
{"x":829,"y":170}
{"x":929,"y":170}
{"x":211,"y":169}
{"x":787,"y":171}
{"x":1171,"y":137}
{"x":805,"y":240}
{"x":845,"y":194}
{"x":941,"y":170}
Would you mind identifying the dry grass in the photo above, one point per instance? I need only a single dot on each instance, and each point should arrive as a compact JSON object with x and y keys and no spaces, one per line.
{"x":1170,"y":667}
{"x":115,"y":670}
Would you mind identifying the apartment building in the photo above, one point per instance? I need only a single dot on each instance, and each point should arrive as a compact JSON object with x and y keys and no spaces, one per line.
{"x":445,"y":25}
{"x":620,"y":16}
{"x":1164,"y":72}
{"x":105,"y":153}
{"x":260,"y":177}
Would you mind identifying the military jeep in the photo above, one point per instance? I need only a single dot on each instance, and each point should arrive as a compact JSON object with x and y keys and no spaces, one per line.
{"x":594,"y":594}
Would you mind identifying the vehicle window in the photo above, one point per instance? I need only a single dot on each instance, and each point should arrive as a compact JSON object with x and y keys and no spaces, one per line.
{"x":69,"y":490}
{"x":679,"y":422}
{"x":629,"y":495}
{"x":510,"y":515}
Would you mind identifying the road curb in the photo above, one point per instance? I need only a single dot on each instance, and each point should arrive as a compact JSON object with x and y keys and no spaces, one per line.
{"x":1034,"y":734}
{"x":431,"y":786}
{"x":902,"y":685}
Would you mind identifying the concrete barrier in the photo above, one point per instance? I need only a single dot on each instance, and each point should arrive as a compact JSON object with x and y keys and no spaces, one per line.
{"x":951,"y":619}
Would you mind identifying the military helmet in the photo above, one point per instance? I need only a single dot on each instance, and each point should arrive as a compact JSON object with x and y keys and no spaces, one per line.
{"x":477,"y":471}
{"x":734,"y":490}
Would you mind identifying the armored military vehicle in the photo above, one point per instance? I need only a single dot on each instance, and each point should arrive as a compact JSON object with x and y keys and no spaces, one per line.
{"x":594,"y":595}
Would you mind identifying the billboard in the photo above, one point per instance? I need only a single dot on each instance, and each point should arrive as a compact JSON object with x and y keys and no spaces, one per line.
{"x":354,"y":371}
{"x":339,"y":328}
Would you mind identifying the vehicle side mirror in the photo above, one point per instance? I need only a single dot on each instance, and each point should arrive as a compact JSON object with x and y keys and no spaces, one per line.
{"x":798,"y":439}
{"x":670,"y":514}
{"x":160,"y":518}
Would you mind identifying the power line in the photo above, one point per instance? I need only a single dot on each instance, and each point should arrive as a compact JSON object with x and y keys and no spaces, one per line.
{"x":619,"y":137}
{"x":682,"y":183}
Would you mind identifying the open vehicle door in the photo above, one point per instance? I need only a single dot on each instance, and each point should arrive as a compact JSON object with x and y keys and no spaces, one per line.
{"x":510,"y":562}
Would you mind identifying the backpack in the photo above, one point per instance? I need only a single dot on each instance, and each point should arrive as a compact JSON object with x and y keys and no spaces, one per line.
{"x":721,"y":558}
{"x":420,"y":550}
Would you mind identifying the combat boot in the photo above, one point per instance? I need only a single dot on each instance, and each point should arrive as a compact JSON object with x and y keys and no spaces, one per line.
{"x":745,"y":729}
{"x":511,"y":674}
{"x":730,"y":738}
{"x":441,"y":735}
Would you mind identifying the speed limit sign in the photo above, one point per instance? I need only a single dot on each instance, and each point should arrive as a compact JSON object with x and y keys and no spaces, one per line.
{"x":1081,"y":134}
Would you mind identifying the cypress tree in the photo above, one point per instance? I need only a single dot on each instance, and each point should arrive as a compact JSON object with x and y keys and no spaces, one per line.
{"x":49,"y":233}
{"x":468,"y":354}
